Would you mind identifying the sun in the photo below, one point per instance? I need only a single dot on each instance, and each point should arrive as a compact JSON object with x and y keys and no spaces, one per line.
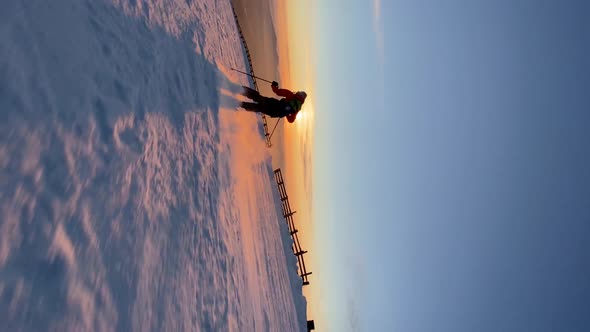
{"x":305,"y":117}
{"x":302,"y":115}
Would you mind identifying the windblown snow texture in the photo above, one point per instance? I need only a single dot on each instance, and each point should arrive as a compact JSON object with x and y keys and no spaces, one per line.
{"x":133,"y":197}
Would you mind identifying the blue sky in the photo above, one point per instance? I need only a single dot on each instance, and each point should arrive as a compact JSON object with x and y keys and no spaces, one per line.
{"x":452,"y":165}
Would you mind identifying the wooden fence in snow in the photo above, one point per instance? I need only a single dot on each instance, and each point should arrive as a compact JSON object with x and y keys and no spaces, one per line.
{"x":288,"y":215}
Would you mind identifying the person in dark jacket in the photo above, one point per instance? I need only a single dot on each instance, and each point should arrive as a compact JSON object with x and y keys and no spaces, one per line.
{"x":288,"y":106}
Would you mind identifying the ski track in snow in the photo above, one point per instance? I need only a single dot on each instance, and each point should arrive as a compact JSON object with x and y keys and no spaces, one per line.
{"x":134,"y":197}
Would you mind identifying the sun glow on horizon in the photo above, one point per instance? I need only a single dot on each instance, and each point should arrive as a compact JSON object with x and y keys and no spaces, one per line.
{"x":306,"y":115}
{"x":297,"y":60}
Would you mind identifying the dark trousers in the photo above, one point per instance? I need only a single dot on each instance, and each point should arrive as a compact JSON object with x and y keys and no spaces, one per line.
{"x":269,"y":106}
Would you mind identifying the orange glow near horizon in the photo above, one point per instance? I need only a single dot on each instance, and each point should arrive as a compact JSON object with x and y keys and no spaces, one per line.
{"x":297,"y":74}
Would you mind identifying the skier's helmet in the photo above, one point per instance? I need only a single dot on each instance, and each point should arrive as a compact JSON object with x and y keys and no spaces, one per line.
{"x":301,"y":95}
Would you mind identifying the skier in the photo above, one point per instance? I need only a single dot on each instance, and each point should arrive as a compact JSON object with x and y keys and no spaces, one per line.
{"x":288,"y":106}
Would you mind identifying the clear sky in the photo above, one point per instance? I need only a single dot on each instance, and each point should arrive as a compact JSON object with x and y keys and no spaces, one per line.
{"x":451,"y":163}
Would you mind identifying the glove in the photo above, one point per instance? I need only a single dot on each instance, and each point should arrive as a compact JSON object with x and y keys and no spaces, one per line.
{"x":275,"y":84}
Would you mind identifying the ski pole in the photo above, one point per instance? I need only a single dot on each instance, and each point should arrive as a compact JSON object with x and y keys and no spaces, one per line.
{"x":273,"y":129}
{"x":260,"y":78}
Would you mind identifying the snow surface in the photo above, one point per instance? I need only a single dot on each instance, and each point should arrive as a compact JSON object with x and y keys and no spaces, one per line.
{"x":134,"y":197}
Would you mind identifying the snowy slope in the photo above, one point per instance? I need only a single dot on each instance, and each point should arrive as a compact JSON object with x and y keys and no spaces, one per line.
{"x":133,"y":196}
